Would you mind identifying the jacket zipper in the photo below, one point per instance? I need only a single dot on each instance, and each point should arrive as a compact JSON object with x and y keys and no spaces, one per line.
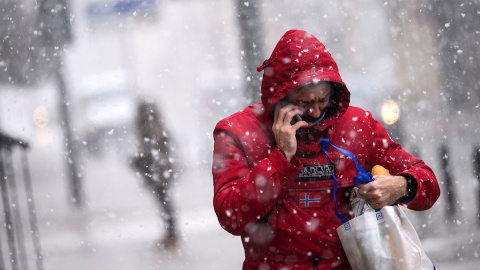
{"x":315,"y":263}
{"x":267,"y":217}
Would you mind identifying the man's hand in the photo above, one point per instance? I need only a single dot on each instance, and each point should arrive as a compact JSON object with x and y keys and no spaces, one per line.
{"x":384,"y":190}
{"x":282,"y":129}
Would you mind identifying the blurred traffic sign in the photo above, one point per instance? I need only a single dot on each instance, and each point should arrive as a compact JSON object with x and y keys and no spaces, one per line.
{"x":103,"y":9}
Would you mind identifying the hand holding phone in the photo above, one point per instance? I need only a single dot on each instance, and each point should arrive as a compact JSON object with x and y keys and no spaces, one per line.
{"x":296,"y":118}
{"x":285,"y":131}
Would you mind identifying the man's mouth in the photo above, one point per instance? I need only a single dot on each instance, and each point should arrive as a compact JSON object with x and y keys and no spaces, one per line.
{"x":309,"y":119}
{"x":312,"y":121}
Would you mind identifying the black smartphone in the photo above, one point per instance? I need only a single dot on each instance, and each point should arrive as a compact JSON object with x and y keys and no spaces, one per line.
{"x":296,"y":118}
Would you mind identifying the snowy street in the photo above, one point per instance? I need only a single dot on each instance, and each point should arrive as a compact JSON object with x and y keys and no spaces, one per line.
{"x":121,"y":227}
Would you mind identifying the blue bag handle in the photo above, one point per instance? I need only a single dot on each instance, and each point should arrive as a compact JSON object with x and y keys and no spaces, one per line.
{"x":362,"y":178}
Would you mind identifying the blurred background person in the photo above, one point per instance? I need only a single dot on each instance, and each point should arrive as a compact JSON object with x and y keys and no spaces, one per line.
{"x":155,"y":164}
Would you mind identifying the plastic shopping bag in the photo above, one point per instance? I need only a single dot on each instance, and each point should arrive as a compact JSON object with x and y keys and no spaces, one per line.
{"x":377,"y":239}
{"x":383,"y":240}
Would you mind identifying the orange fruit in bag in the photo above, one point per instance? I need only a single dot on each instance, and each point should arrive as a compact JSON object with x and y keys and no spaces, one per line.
{"x":379,"y":170}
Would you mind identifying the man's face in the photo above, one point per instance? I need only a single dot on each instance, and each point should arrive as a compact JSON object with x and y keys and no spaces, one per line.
{"x":312,"y":99}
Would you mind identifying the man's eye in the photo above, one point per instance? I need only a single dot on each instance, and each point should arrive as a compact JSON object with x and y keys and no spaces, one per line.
{"x":303,"y":103}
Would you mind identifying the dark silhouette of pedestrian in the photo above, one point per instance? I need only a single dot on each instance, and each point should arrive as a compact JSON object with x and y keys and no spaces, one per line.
{"x":476,"y":172}
{"x":154,"y":162}
{"x":448,"y":180}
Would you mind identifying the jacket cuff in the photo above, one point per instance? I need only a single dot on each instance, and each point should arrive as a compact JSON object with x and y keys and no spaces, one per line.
{"x":411,"y":189}
{"x":288,"y":169}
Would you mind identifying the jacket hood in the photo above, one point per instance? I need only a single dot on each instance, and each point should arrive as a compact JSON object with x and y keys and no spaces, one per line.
{"x":299,"y":59}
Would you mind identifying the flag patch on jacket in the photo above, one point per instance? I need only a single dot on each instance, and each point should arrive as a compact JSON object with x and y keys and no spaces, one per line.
{"x":309,"y":200}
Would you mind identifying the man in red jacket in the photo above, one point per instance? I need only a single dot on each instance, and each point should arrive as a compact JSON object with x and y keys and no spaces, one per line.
{"x":273,"y":183}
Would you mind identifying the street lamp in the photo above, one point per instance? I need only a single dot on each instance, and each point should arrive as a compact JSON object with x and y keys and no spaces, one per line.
{"x":390,"y":112}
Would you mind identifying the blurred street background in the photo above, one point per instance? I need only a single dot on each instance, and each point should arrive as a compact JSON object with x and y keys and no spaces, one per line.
{"x":72,"y":73}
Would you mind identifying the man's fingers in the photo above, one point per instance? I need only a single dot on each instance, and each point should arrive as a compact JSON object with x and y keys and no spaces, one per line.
{"x":299,"y":124}
{"x":370,"y":192}
{"x":364,"y":189}
{"x":276,"y":111}
{"x":281,"y":112}
{"x":291,"y":113}
{"x":376,"y":205}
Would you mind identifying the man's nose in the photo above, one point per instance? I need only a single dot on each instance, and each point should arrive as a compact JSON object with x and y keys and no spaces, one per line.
{"x":314,"y":110}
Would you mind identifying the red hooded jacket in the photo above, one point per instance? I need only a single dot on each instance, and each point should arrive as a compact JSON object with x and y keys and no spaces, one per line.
{"x":284,"y":211}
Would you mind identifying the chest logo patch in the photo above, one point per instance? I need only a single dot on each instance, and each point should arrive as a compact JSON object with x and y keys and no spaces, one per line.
{"x":311,"y":173}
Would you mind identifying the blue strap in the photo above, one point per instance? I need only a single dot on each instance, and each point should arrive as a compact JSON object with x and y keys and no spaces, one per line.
{"x":362,"y":178}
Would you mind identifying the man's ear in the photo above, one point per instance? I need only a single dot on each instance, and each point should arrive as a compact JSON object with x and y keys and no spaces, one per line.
{"x":337,"y":89}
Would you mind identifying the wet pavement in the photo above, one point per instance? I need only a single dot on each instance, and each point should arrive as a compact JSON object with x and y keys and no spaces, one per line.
{"x":120,"y":227}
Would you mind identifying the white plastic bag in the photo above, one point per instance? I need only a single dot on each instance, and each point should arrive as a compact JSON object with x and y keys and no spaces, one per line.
{"x":376,"y":240}
{"x":383,"y":240}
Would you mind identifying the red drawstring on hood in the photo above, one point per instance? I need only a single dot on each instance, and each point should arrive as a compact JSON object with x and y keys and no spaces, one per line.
{"x":299,"y":59}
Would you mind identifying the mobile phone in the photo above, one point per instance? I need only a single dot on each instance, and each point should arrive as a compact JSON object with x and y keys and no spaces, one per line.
{"x":296,"y":118}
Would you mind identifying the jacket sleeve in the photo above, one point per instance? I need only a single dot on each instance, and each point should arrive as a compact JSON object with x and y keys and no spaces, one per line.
{"x":390,"y":154}
{"x":244,"y":194}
